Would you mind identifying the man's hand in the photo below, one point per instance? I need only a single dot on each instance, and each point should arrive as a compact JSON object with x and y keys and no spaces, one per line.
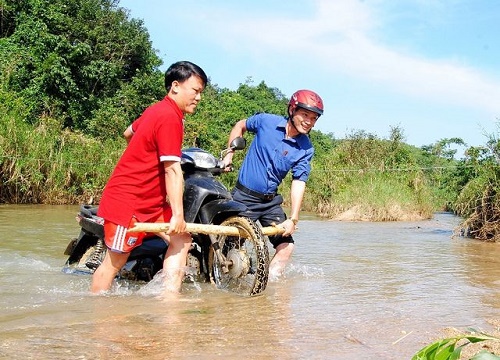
{"x":228,"y":167}
{"x":289,"y":227}
{"x":228,"y":161}
{"x":177,"y":225}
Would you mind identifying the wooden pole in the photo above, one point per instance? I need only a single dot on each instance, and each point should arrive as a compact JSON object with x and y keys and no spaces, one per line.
{"x":204,"y":229}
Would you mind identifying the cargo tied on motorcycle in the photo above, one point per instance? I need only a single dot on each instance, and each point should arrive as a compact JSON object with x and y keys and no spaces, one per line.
{"x":228,"y":249}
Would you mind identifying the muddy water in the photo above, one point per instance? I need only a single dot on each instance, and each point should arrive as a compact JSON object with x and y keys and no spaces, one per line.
{"x":353,"y":291}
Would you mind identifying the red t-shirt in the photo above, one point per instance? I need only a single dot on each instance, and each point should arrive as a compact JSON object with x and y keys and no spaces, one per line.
{"x":137,"y":184}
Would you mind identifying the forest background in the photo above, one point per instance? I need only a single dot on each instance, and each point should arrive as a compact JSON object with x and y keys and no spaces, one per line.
{"x":75,"y":73}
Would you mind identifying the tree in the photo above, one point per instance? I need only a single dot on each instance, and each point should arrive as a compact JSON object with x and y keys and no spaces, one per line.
{"x":71,"y":58}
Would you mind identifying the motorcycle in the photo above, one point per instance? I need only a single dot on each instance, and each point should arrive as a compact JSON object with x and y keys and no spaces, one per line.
{"x":237,"y":264}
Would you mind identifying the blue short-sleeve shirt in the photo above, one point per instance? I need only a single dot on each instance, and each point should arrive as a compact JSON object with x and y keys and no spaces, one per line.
{"x":271,"y":155}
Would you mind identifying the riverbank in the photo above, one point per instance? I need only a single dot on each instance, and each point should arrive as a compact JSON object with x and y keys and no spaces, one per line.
{"x":470,"y":349}
{"x":391,"y":213}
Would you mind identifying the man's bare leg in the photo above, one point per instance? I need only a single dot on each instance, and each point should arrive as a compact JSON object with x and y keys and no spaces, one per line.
{"x":175,"y":261}
{"x":104,"y":275}
{"x":280,"y":259}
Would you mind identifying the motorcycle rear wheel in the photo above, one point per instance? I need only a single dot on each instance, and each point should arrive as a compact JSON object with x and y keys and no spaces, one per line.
{"x":248,"y":257}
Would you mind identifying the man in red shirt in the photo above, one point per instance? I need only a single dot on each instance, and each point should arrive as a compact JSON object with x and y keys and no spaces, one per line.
{"x":147,"y":182}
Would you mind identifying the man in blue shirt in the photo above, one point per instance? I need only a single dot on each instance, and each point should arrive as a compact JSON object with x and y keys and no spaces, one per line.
{"x":281,"y":145}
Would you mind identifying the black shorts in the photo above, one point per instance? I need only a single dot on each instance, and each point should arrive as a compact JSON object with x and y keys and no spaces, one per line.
{"x":266,"y":212}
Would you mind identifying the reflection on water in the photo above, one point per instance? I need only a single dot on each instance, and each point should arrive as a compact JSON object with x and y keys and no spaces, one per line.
{"x":353,"y":290}
{"x":481,"y":268}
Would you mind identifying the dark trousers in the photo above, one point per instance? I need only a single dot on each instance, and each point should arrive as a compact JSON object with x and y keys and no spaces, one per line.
{"x":266,"y":212}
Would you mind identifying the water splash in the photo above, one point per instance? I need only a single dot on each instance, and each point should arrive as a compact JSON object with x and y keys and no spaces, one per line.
{"x":297,"y":271}
{"x":306,"y":271}
{"x":12,"y":261}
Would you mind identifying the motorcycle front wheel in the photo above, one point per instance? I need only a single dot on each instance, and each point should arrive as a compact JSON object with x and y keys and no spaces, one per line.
{"x":243,"y":264}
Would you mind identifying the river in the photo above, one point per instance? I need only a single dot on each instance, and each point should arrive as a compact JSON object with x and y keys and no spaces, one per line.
{"x":354,"y":290}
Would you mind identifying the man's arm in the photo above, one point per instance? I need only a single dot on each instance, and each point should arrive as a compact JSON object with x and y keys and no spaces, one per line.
{"x":174,"y":183}
{"x":238,"y":129}
{"x":297,"y":191}
{"x":128,"y":133}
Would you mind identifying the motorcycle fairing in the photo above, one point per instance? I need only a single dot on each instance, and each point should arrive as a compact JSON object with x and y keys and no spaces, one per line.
{"x":91,"y":226}
{"x":197,"y":191}
{"x":210,"y":212}
{"x":198,"y":158}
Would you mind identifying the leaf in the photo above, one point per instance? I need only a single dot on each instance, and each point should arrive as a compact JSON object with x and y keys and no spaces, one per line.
{"x":485,"y":355}
{"x":439,"y":350}
{"x":480,"y":337}
{"x":445,"y":349}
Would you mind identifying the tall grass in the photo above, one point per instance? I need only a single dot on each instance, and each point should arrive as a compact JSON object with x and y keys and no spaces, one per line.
{"x":361,"y":179}
{"x":366,"y":178}
{"x":372,"y":196}
{"x":46,"y":164}
{"x":479,"y":203}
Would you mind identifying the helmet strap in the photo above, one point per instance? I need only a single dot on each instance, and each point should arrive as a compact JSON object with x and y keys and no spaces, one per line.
{"x":293,"y":122}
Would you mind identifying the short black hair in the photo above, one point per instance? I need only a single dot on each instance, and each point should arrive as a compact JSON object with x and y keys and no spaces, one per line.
{"x":181,"y":71}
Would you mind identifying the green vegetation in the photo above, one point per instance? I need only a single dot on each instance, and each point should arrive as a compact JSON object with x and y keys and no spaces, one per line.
{"x":75,"y":73}
{"x":82,"y":62}
{"x":451,"y":348}
{"x":479,"y":198}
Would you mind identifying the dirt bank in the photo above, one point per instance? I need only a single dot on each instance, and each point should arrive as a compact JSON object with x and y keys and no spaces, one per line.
{"x":390,"y":213}
{"x":470,"y":350}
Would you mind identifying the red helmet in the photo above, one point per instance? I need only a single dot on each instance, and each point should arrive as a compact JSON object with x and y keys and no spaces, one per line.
{"x":306,"y":99}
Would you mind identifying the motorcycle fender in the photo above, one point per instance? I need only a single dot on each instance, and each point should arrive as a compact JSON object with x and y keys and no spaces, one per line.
{"x":211,"y":212}
{"x":77,"y":247}
{"x":83,"y":238}
{"x":71,"y":246}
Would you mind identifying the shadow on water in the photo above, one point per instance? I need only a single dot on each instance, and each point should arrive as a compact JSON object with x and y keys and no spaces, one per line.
{"x":352,"y":291}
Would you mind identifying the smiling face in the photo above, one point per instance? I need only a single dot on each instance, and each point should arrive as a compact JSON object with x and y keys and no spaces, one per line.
{"x":187,"y":94}
{"x":303,"y":121}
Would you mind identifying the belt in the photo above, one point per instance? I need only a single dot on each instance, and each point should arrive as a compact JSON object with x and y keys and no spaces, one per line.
{"x":266,"y":197}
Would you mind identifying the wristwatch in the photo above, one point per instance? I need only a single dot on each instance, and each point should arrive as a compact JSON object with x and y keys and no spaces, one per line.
{"x":295,"y":221}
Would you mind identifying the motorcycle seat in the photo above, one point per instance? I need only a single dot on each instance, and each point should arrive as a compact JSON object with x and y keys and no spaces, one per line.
{"x":88,"y":211}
